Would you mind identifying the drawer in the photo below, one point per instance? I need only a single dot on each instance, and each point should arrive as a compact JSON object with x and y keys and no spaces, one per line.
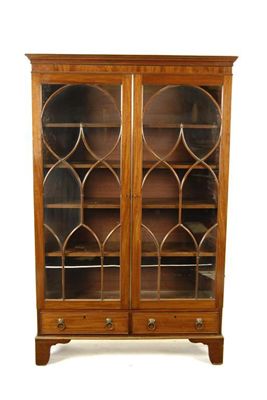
{"x":78,"y":322}
{"x":175,"y":323}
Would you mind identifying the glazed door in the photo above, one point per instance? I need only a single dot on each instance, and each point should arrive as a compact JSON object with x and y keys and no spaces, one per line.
{"x":85,"y":139}
{"x":176,"y":180}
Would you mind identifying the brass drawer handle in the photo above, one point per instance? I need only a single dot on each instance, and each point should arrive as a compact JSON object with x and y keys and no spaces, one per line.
{"x":151,"y":324}
{"x":61,"y":324}
{"x":109,"y":323}
{"x":199,"y":323}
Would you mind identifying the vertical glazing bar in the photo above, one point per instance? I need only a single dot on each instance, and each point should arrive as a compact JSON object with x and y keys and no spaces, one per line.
{"x":81,"y":190}
{"x":63,"y":276}
{"x":102,"y":274}
{"x":180,"y":205}
{"x":197,"y":277}
{"x":180,"y":198}
{"x":159,"y":276}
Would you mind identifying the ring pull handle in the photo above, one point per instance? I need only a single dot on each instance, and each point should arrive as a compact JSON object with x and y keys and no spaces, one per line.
{"x":199,"y":323}
{"x":109,"y":323}
{"x":151,"y":324}
{"x":61,"y":324}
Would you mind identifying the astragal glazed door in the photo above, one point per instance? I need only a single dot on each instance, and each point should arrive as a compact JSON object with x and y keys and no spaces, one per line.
{"x":85,"y":147}
{"x":176,"y":192}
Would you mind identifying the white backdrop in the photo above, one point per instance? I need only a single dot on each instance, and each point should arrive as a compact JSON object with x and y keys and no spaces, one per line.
{"x":136,"y":369}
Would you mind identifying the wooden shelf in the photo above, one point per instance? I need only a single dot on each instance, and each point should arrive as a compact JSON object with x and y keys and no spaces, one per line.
{"x":80,"y":266}
{"x":149,"y":164}
{"x":62,"y":205}
{"x":116,"y":165}
{"x":175,"y":294}
{"x":85,"y":165}
{"x":178,"y":125}
{"x":89,"y":295}
{"x":208,"y":274}
{"x":92,"y":203}
{"x":196,"y":204}
{"x":170,"y":250}
{"x":173,"y":203}
{"x":94,"y":295}
{"x":166,"y":253}
{"x":167,"y":294}
{"x":147,"y":204}
{"x":176,"y":265}
{"x":84,"y":125}
{"x":93,"y":252}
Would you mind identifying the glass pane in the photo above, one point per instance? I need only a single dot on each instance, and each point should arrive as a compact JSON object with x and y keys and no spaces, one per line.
{"x":150,"y":262}
{"x":53,"y":265}
{"x":111,"y":249}
{"x":206,"y":278}
{"x":106,"y":193}
{"x":171,"y":107}
{"x":181,"y":105}
{"x":53,"y":277}
{"x":149,"y":278}
{"x":62,"y":187}
{"x":81,"y":127}
{"x":81,"y":104}
{"x":160,"y":186}
{"x":111,"y":278}
{"x":83,"y":277}
{"x":207,"y":264}
{"x":198,"y":221}
{"x":200,"y":187}
{"x":181,"y":138}
{"x":62,"y":221}
{"x":178,"y":277}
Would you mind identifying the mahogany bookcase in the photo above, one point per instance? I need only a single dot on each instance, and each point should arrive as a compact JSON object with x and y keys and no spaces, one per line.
{"x":130,"y":187}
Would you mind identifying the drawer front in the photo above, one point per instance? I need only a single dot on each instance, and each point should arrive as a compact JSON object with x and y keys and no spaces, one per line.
{"x":96,"y":322}
{"x":175,"y":323}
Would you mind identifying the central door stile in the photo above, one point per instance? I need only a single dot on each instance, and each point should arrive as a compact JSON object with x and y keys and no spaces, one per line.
{"x":136,"y":192}
{"x":126,"y":191}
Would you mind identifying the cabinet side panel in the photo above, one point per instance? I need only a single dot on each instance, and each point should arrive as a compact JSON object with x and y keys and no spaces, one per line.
{"x":38,"y":188}
{"x":223,"y":189}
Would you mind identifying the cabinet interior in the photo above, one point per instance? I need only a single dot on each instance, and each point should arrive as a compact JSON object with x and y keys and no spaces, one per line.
{"x":81,"y":131}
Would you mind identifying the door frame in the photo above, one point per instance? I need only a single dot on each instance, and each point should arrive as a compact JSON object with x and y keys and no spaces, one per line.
{"x":83,"y":78}
{"x":192,"y":80}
